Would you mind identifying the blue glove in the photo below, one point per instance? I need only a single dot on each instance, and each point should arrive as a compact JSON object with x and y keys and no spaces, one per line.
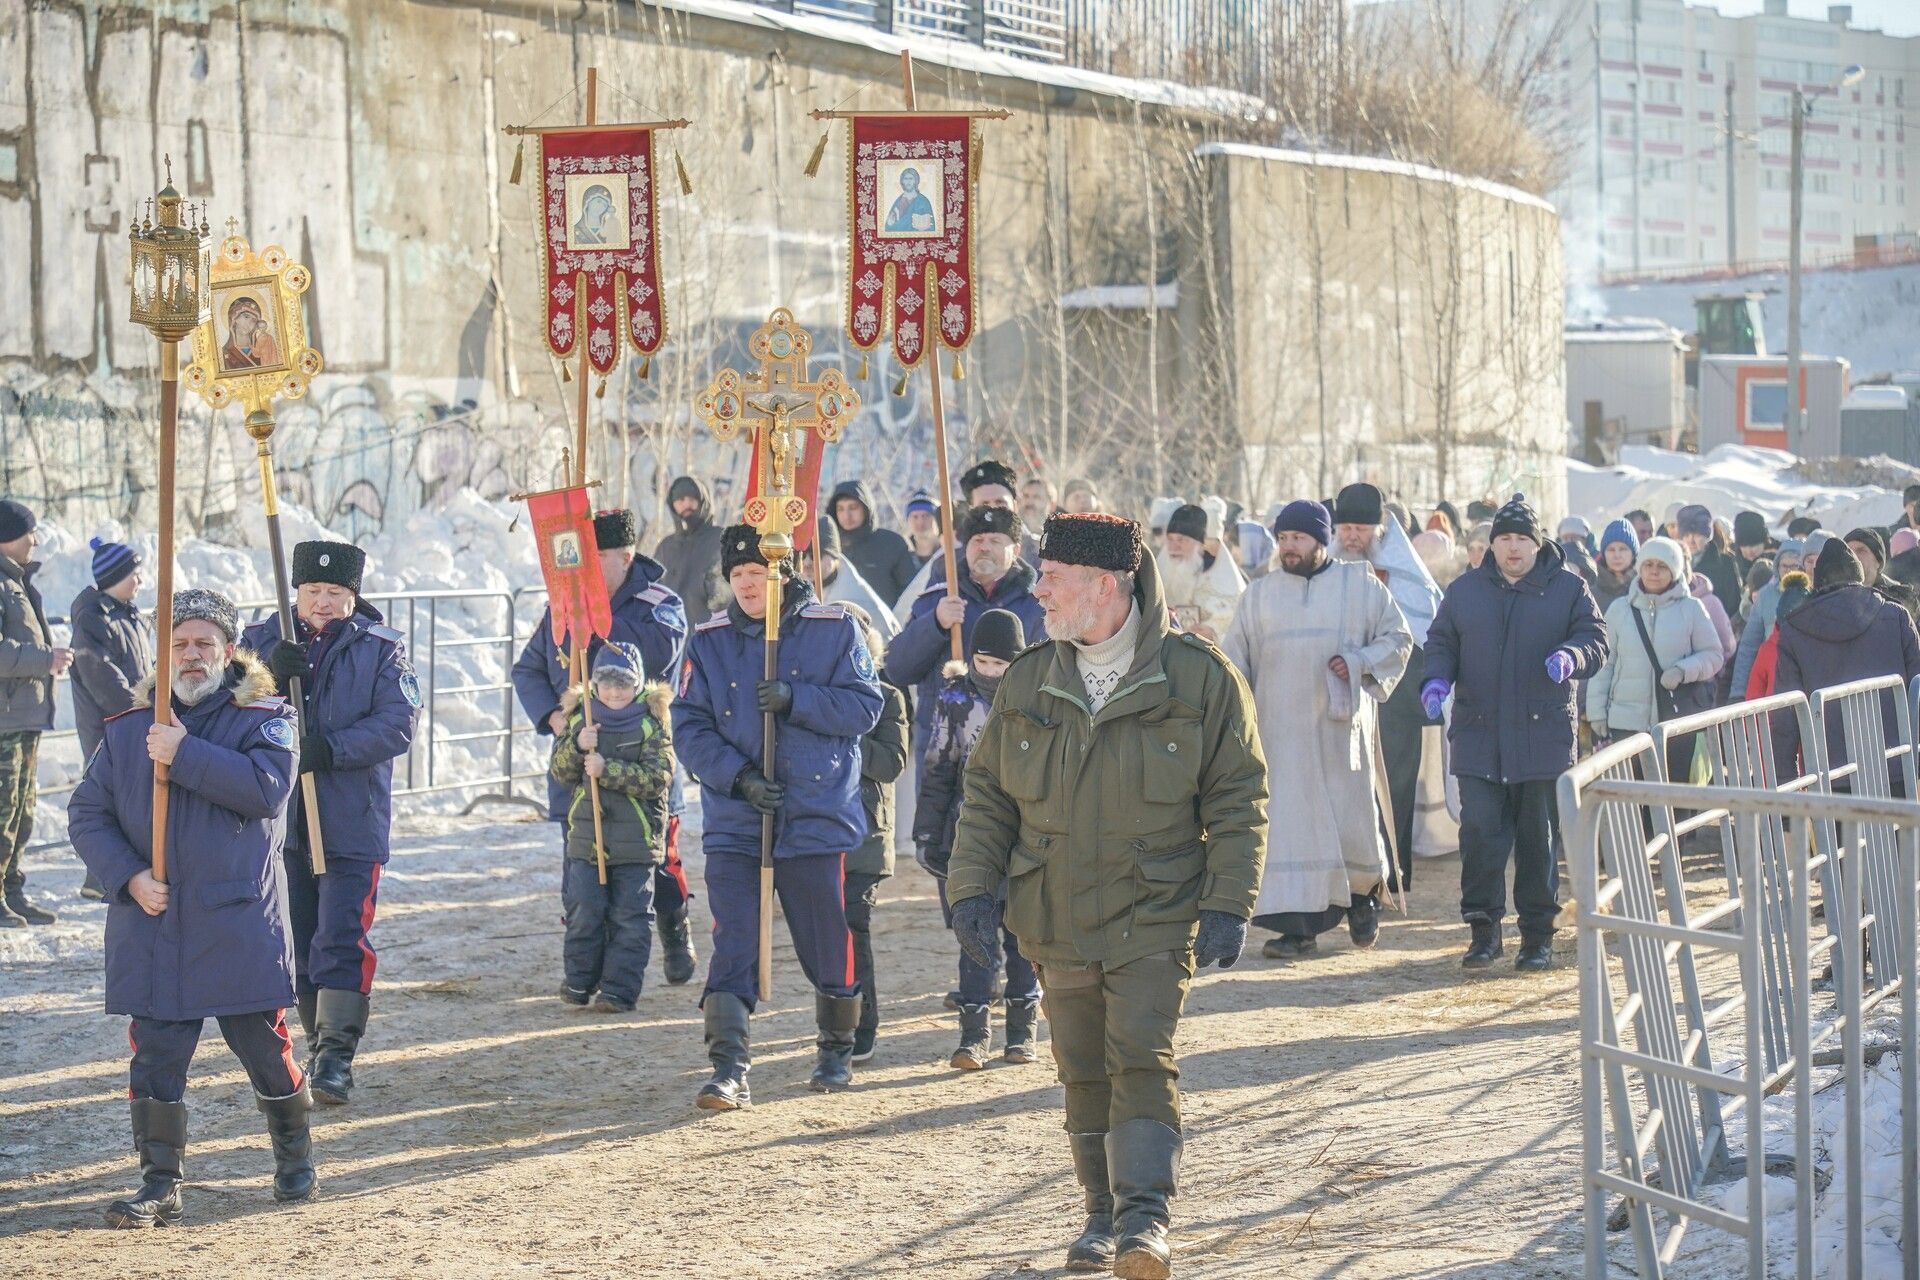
{"x":1559,"y":666}
{"x":976,"y":923}
{"x":1433,"y":696}
{"x":1222,"y":936}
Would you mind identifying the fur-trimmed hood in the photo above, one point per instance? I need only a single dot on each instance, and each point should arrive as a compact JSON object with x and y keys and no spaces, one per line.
{"x":247,"y":679}
{"x":657,"y":694}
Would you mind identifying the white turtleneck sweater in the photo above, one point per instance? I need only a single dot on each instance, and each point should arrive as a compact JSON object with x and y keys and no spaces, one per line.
{"x":1102,"y":665}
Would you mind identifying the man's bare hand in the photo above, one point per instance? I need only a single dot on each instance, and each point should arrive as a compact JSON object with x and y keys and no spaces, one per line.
{"x":148,"y":892}
{"x":62,"y":659}
{"x":950,"y":612}
{"x":557,"y":722}
{"x":1338,"y":666}
{"x":163,"y":742}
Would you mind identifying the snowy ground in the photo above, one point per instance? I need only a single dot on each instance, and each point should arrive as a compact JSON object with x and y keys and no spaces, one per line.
{"x":1370,"y":1114}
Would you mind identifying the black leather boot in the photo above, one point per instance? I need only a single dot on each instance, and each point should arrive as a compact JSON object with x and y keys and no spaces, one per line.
{"x":1022,"y":1017}
{"x":160,"y":1136}
{"x":1143,"y":1163}
{"x":339,"y":1019}
{"x":836,"y":1017}
{"x":1093,"y":1250}
{"x":1536,"y":954}
{"x":1363,"y":920}
{"x":1486,"y":945}
{"x":676,"y":946}
{"x":727,"y":1023}
{"x":976,"y":1037}
{"x":18,"y":904}
{"x":293,"y":1177}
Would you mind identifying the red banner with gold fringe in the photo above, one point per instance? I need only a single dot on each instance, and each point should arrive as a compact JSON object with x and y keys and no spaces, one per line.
{"x":910,"y":223}
{"x":570,"y":564}
{"x":599,"y":248}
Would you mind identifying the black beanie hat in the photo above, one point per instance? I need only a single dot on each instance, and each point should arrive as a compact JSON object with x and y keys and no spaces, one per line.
{"x":614,"y":529}
{"x":1189,"y":521}
{"x":992,"y":471}
{"x":340,"y":563}
{"x":739,"y":545}
{"x":1749,"y":529}
{"x":1092,"y":538}
{"x":1836,"y":566}
{"x":998,"y":634}
{"x":1874,"y":543}
{"x":826,"y":537}
{"x":1359,"y":504}
{"x":16,"y":519}
{"x":981,"y":520}
{"x":1516,"y":517}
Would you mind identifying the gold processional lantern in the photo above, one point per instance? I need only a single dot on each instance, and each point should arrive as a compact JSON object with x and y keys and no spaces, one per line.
{"x":170,"y":273}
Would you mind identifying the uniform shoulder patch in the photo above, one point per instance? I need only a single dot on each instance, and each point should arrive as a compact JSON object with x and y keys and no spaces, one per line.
{"x":655,"y":594}
{"x":385,"y":632}
{"x":717,"y":620}
{"x":819,"y":609}
{"x":272,"y":702}
{"x":410,"y":687}
{"x":863,"y":659}
{"x":279,"y":731}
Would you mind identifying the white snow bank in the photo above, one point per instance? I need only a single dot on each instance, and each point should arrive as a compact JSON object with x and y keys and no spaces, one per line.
{"x":1729,"y":479}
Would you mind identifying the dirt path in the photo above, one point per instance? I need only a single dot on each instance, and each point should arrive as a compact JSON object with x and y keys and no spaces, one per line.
{"x":1367,"y":1114}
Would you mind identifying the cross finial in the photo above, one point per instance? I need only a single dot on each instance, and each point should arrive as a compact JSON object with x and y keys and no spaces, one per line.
{"x":169,"y":163}
{"x":233,"y":226}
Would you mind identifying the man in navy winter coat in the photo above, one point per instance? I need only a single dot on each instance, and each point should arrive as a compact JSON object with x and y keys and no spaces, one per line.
{"x":212,"y":940}
{"x":1510,"y":638}
{"x":649,"y":616}
{"x":112,"y":651}
{"x":361,"y":697}
{"x":993,"y":576}
{"x":825,"y":699}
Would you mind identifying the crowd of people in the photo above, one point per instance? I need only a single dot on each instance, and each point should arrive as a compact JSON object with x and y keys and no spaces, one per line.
{"x":1077,"y":722}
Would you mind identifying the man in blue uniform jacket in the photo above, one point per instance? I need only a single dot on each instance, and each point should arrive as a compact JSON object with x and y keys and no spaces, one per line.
{"x":649,"y":616}
{"x":361,"y":696}
{"x":212,"y":941}
{"x":825,"y":699}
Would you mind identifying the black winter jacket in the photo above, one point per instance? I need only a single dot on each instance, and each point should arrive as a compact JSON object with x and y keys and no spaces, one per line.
{"x":881,"y":555}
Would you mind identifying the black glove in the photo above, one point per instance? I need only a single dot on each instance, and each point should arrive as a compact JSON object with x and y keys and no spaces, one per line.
{"x":287,"y":660}
{"x":976,"y":923}
{"x":315,"y":754}
{"x":1222,"y":936}
{"x":775,"y":696}
{"x":760,"y":792}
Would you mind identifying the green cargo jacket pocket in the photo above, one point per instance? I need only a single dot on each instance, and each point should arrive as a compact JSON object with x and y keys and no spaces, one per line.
{"x":1167,"y":885}
{"x":1028,"y":916}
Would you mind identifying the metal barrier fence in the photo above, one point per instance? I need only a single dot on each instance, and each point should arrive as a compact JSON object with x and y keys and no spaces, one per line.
{"x":1700,"y":1070}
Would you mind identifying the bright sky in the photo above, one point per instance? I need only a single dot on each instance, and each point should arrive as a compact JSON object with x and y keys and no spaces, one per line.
{"x":1895,"y":17}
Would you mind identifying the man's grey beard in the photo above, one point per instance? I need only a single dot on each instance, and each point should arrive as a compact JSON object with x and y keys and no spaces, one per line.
{"x":1070,"y":625}
{"x":1179,"y":579}
{"x":192,"y":689}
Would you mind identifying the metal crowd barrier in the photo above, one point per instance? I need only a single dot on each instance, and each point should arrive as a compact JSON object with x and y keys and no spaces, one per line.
{"x":1698,"y":1067}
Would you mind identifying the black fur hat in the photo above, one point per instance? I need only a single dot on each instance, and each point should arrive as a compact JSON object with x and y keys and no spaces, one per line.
{"x":991,"y":520}
{"x":340,"y":563}
{"x":614,"y":529}
{"x":992,"y":471}
{"x":1092,"y":538}
{"x":1189,"y":521}
{"x":739,"y":545}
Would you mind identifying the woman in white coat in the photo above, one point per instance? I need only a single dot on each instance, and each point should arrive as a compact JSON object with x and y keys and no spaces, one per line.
{"x":1633,"y":691}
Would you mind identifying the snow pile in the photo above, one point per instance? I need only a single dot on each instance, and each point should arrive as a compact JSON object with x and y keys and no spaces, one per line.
{"x":1729,"y":479}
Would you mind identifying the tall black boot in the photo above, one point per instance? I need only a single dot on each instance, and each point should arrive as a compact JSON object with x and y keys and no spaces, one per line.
{"x":1143,"y":1162}
{"x":304,"y":1003}
{"x":676,"y":946}
{"x":160,"y":1136}
{"x":293,"y":1177}
{"x":1093,"y":1251}
{"x":836,"y":1017}
{"x":1022,"y":1016}
{"x":727,"y":1022}
{"x":339,"y":1019}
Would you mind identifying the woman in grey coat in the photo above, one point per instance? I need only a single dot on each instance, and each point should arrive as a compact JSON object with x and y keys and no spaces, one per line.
{"x":1629,"y":694}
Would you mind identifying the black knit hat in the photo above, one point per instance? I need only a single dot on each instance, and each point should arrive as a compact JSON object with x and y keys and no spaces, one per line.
{"x":1871,"y":539}
{"x":1836,"y":566}
{"x":998,"y":634}
{"x":1359,"y":504}
{"x":1189,"y":521}
{"x":826,"y":537}
{"x":739,"y":545}
{"x":981,"y":520}
{"x":1749,"y":529}
{"x":1092,"y":538}
{"x":340,"y":563}
{"x":614,"y":529}
{"x":1515,"y":517}
{"x":16,"y":519}
{"x":992,"y":471}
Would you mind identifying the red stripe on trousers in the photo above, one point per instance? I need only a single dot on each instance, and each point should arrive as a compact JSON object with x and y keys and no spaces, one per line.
{"x":286,"y":1049}
{"x":676,"y":868}
{"x":847,"y":981}
{"x":366,"y":923}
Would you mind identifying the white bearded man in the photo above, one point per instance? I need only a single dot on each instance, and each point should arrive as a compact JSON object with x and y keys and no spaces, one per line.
{"x":1320,"y":642}
{"x":1201,"y":587}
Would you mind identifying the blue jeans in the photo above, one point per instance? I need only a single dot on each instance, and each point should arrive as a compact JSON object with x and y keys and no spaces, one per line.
{"x":976,"y":979}
{"x":609,"y":927}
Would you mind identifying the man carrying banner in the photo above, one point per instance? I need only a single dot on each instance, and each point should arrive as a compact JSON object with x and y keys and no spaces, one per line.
{"x":825,"y":699}
{"x":649,"y":616}
{"x":362,"y":697}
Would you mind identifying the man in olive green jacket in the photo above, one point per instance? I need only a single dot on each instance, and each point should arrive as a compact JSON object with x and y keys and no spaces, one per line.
{"x":1119,"y":791}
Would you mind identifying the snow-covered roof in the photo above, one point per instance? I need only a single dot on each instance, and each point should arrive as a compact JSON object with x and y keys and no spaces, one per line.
{"x":1373,"y":164}
{"x":1121,"y":297}
{"x":963,"y":56}
{"x":1660,"y":335}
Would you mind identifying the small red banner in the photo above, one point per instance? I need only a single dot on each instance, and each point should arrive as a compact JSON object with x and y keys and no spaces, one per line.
{"x":602,"y":258}
{"x":910,"y":221}
{"x":570,"y":564}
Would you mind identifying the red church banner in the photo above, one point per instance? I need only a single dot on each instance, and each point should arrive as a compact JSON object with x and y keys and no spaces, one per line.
{"x":910,"y":221}
{"x":570,"y":564}
{"x":599,"y":249}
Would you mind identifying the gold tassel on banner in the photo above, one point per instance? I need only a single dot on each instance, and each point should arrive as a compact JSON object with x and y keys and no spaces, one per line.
{"x":600,"y":392}
{"x":566,"y":374}
{"x":646,"y":367}
{"x":519,"y":154}
{"x":900,"y":384}
{"x":863,"y":367}
{"x":686,"y":183}
{"x":959,"y":371}
{"x":819,"y":154}
{"x":975,"y":157}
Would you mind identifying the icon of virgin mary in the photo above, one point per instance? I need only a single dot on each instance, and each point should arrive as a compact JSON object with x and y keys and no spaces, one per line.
{"x":250,"y":343}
